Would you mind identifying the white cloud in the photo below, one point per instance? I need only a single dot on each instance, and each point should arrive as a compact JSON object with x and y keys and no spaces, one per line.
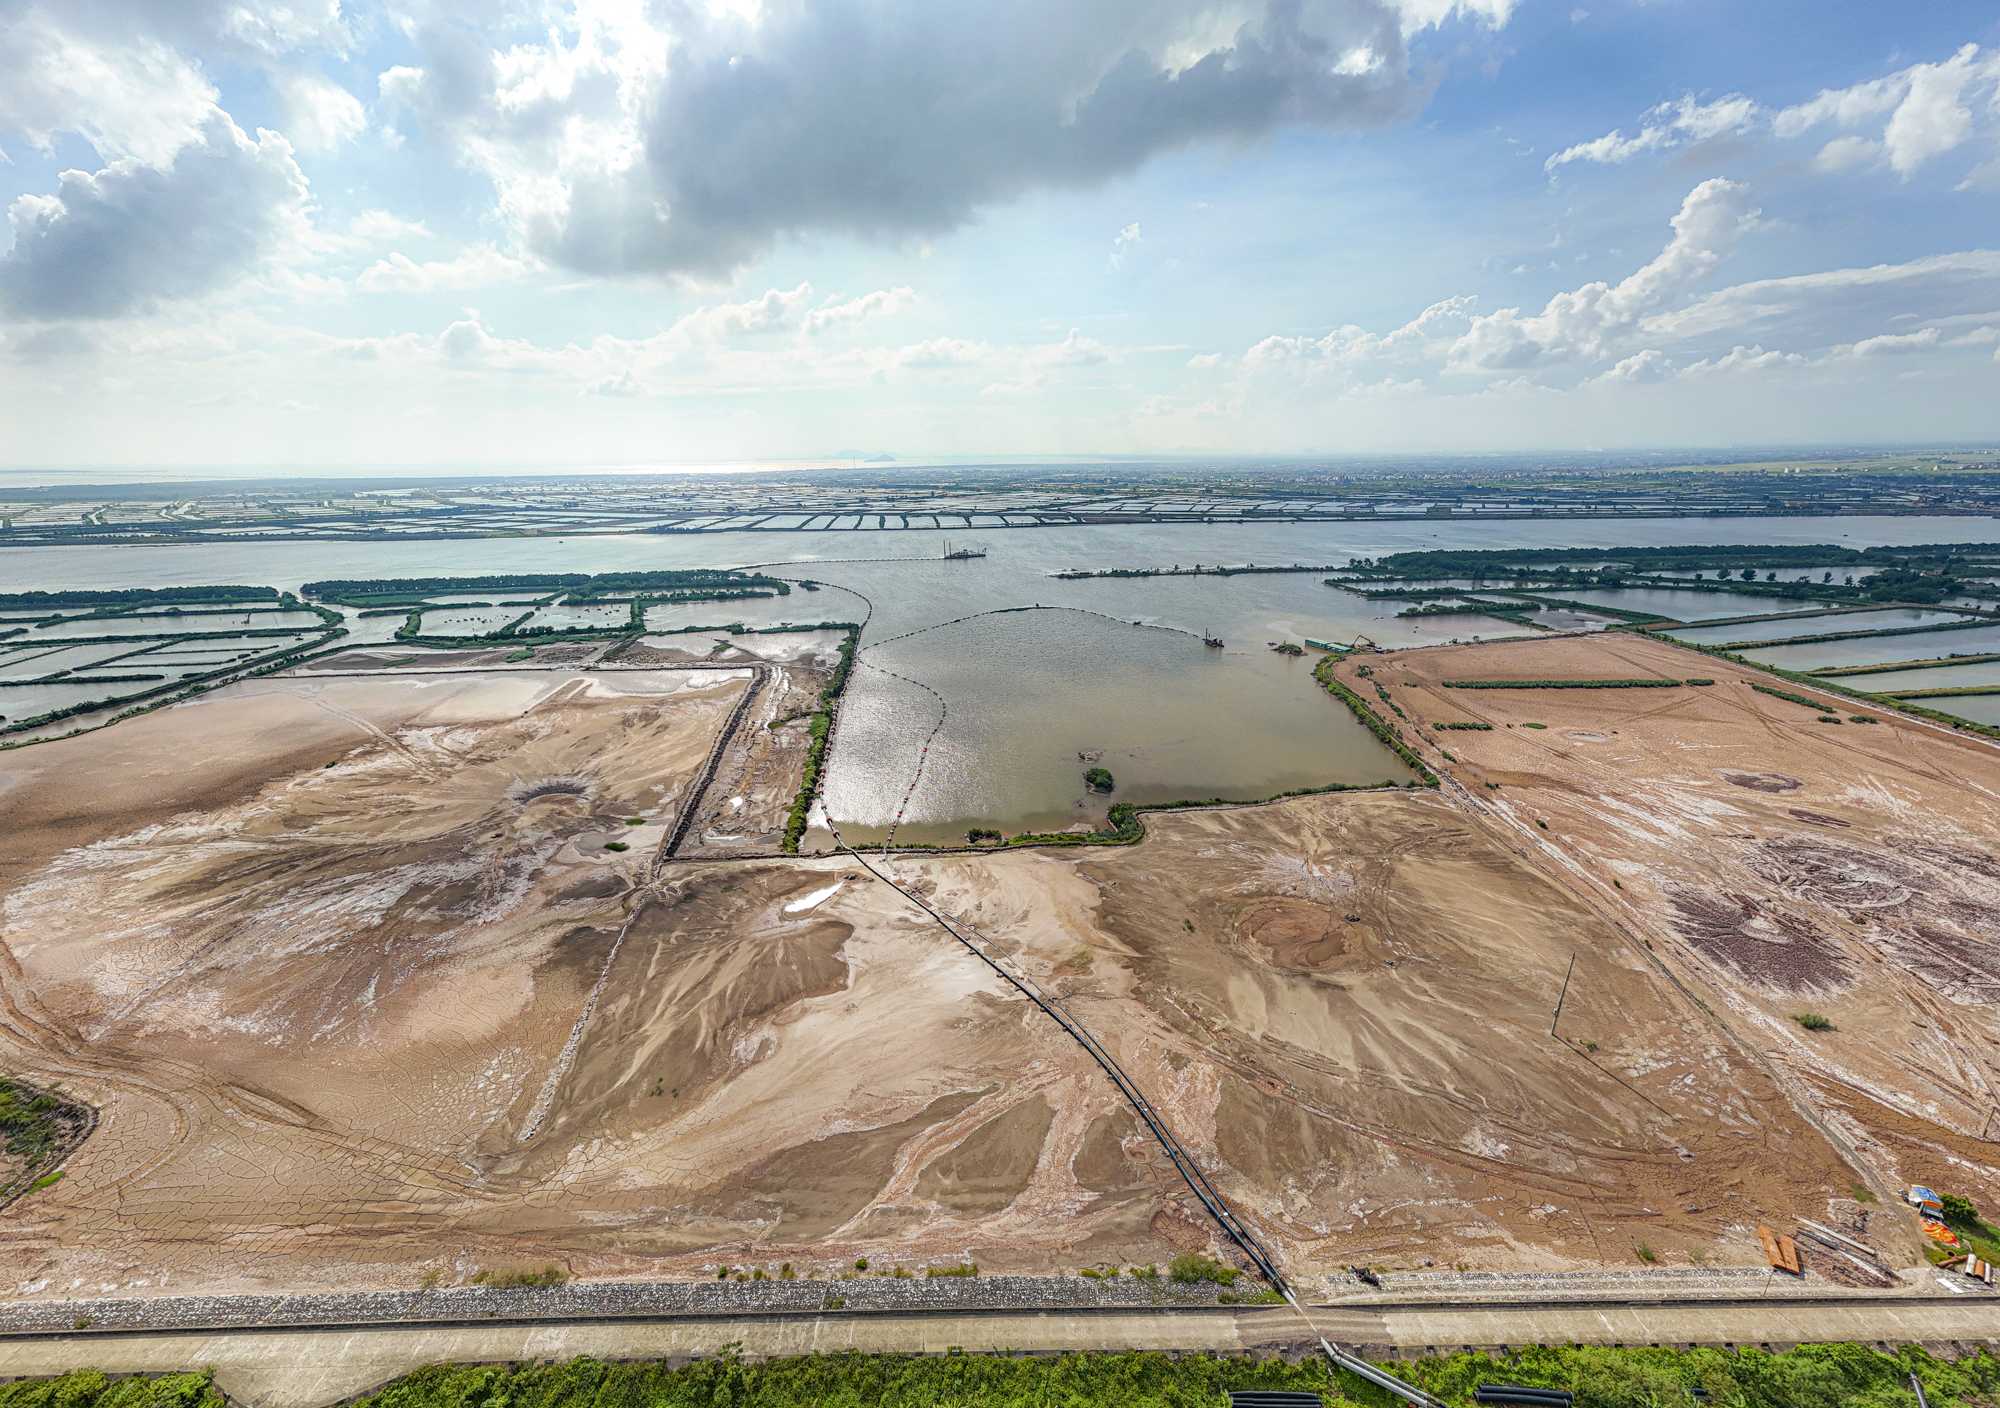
{"x":873,"y":117}
{"x":1649,"y":365}
{"x":1843,"y":152}
{"x":837,"y":314}
{"x":319,"y":114}
{"x":1205,"y":361}
{"x":374,"y":227}
{"x":1667,"y":125}
{"x":137,"y":99}
{"x":1584,"y":322}
{"x":1076,"y":350}
{"x":475,"y":267}
{"x":120,"y":240}
{"x":1892,"y":344}
{"x":1925,"y":103}
{"x":1838,"y":306}
{"x":942,"y":352}
{"x":1127,"y":239}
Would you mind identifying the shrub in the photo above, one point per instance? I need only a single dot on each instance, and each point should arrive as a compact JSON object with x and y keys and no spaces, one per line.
{"x":1191,"y":1267}
{"x":616,"y":846}
{"x":1483,"y":728}
{"x":962,"y":1269}
{"x":1098,"y":779}
{"x":1646,"y":1253}
{"x":1813,"y":1022}
{"x":1788,"y":696}
{"x":521,"y":1276}
{"x":1561,"y":684}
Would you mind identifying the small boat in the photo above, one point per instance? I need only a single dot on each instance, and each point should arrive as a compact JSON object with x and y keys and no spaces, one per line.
{"x":1212,"y":642}
{"x":961,"y":554}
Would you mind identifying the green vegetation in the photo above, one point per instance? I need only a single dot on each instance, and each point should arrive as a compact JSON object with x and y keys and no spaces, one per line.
{"x":1789,"y":697}
{"x":616,"y":846}
{"x":699,"y":584}
{"x":131,"y":600}
{"x":1813,"y":1022}
{"x":1834,"y":687}
{"x":1923,"y":574}
{"x":90,"y":1388}
{"x":1098,"y":779}
{"x":1323,"y":672}
{"x":525,"y":653}
{"x":521,"y":1276}
{"x":1811,"y":1376}
{"x":1561,"y":684}
{"x":635,"y":821}
{"x":822,"y":724}
{"x":963,"y":1269}
{"x":1697,"y":681}
{"x":1286,"y":647}
{"x":980,"y":835}
{"x":1190,"y":1267}
{"x":1483,"y":728}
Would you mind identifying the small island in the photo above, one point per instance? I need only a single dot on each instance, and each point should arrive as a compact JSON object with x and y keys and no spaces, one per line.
{"x":1098,"y":779}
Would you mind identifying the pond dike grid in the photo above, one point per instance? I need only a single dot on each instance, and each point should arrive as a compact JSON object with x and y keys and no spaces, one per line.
{"x":599,"y":1300}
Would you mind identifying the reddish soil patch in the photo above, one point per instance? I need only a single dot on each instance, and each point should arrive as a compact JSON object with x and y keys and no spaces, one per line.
{"x":1292,"y":934}
{"x":1765,"y":946}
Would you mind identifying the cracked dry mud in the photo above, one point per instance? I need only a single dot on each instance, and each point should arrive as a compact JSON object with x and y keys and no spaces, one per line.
{"x":319,"y":1005}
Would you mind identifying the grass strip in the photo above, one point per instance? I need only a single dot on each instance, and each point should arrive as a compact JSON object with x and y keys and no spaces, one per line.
{"x":1483,"y":728}
{"x":820,"y":729}
{"x":1810,"y":1376}
{"x":1786,"y":694}
{"x":1561,"y":684}
{"x":1886,"y":703}
{"x":1374,"y":723}
{"x":1842,"y":671}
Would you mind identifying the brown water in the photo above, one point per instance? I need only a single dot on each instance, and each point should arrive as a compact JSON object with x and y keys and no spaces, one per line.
{"x":1029,"y":699}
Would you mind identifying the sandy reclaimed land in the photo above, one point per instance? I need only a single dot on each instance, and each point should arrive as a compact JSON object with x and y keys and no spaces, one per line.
{"x":1774,"y":864}
{"x":332,"y":1013}
{"x":314,"y":945}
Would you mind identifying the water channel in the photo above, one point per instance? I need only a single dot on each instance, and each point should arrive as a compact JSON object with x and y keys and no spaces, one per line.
{"x":1023,"y":693}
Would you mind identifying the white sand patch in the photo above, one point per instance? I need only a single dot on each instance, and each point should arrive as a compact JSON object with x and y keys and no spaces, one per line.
{"x":817,"y":897}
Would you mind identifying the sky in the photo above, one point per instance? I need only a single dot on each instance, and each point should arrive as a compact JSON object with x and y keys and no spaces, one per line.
{"x":618,"y":232}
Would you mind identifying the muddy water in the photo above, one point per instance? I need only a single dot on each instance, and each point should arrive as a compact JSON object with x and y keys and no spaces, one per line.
{"x":1172,"y":719}
{"x":1031,"y":699}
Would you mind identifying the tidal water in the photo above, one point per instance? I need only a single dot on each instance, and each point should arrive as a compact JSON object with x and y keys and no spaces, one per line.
{"x":1022,"y":694}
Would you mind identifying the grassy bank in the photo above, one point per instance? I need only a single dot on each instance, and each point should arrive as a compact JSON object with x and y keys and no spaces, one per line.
{"x":1812,"y":1376}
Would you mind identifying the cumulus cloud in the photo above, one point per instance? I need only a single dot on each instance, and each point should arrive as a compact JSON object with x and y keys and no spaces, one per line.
{"x":134,"y":97}
{"x":1655,"y":326}
{"x":1582,"y":323}
{"x":401,"y":274}
{"x":1839,"y":306}
{"x":789,"y":311}
{"x":619,"y":146}
{"x":319,"y":114}
{"x":1667,"y":125}
{"x":1120,"y":247}
{"x":1893,"y":344}
{"x":1925,"y":105}
{"x":120,"y":240}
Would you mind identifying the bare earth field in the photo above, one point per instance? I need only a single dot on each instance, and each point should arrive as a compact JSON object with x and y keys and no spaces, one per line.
{"x":1772,"y":863}
{"x":362,"y":996}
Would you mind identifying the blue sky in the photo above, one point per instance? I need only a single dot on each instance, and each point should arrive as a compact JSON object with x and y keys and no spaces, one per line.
{"x":607,"y":231}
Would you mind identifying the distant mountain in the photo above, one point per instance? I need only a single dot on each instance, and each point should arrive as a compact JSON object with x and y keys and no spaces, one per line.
{"x":865,"y":457}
